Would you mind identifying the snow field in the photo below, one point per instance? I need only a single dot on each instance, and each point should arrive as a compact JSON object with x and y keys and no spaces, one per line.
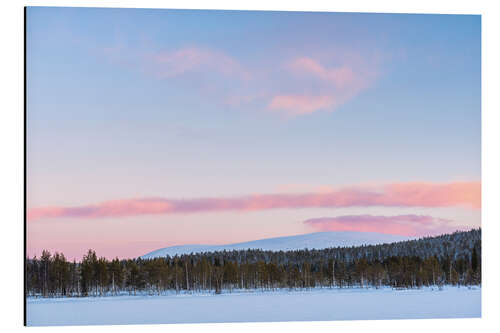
{"x":282,"y":305}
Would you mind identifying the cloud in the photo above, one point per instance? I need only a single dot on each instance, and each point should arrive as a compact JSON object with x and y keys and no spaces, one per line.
{"x":301,"y":104}
{"x":174,"y":63}
{"x":336,"y":84}
{"x":341,"y":77}
{"x":300,"y":85}
{"x":435,"y":195}
{"x":463,"y":194}
{"x":406,"y":225}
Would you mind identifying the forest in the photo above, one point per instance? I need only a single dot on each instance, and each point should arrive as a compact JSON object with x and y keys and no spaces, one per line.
{"x":450,"y":259}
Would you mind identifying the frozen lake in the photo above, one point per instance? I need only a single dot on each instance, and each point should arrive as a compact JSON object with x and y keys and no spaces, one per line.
{"x":313,"y":305}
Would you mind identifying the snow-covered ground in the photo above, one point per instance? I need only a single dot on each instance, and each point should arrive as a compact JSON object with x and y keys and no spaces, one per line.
{"x":312,"y":305}
{"x":317,"y":240}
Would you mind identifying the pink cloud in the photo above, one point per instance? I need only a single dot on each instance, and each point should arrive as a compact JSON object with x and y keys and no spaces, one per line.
{"x":464,"y":194}
{"x":341,"y":77}
{"x":303,"y":87}
{"x":435,"y":195}
{"x":301,"y":104}
{"x":406,"y":225}
{"x":174,"y":63}
{"x":336,"y":85}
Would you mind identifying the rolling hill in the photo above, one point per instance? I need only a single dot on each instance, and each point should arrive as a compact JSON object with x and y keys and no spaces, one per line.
{"x":317,"y":240}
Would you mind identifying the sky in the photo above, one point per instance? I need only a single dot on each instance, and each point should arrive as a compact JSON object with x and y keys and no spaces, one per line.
{"x":154,"y":128}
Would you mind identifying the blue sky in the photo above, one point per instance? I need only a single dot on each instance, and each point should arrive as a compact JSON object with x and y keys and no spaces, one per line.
{"x":131,"y":103}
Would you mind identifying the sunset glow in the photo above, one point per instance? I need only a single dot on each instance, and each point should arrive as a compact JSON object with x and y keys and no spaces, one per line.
{"x":187,"y":132}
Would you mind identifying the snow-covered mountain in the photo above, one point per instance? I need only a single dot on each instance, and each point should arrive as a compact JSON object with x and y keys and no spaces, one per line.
{"x":317,"y":240}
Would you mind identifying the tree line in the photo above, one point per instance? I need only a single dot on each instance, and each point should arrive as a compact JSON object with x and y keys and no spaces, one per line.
{"x":453,"y":259}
